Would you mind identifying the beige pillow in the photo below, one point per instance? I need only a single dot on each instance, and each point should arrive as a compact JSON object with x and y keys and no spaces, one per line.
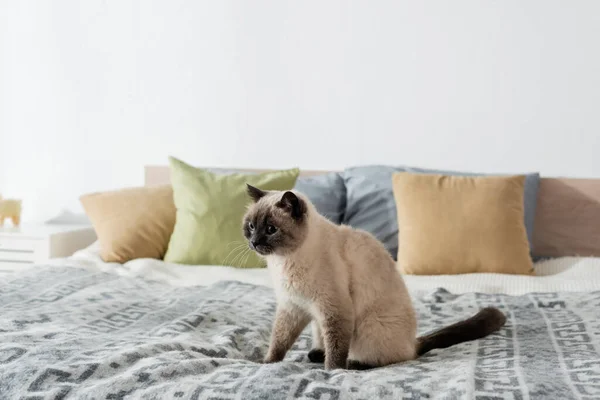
{"x":459,"y":224}
{"x":132,"y":223}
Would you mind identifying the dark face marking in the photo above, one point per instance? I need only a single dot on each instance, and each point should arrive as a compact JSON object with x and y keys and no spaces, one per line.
{"x":275,"y":227}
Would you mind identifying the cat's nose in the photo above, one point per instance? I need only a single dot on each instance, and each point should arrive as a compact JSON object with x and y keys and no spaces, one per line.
{"x":253,"y":244}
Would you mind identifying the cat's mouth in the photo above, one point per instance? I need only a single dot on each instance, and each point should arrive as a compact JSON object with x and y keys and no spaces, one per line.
{"x":260,"y":249}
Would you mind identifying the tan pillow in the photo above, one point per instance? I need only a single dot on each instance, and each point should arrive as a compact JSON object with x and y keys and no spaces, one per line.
{"x":458,"y":224}
{"x":132,"y":223}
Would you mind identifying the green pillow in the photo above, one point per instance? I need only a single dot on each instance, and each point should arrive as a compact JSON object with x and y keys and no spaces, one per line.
{"x":210,"y":208}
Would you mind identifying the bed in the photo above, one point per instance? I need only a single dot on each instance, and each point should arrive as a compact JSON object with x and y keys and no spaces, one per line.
{"x":82,"y":328}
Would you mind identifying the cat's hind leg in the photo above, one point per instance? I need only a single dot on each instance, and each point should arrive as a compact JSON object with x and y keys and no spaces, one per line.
{"x":317,"y":353}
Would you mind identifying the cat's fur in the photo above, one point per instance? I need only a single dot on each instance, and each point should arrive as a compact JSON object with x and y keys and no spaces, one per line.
{"x":346,"y":283}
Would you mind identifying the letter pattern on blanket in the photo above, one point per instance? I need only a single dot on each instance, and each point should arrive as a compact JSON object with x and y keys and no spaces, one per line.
{"x":69,"y":332}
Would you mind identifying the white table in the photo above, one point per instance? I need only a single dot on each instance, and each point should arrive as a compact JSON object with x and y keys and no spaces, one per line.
{"x":36,"y":243}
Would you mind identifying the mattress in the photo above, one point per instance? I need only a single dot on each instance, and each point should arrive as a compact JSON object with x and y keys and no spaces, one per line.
{"x":566,"y":274}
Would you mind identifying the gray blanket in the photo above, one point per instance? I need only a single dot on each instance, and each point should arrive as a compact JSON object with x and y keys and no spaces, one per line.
{"x":71,"y":333}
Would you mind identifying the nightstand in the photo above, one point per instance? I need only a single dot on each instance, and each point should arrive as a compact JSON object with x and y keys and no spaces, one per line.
{"x":36,"y":243}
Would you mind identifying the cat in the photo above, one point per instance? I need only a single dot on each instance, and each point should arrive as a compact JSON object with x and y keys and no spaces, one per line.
{"x":345,"y":282}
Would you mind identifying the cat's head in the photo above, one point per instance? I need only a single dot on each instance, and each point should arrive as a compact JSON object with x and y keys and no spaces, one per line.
{"x":276,"y":222}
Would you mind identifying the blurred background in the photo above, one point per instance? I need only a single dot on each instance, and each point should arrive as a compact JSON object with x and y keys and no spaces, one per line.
{"x":91,"y":91}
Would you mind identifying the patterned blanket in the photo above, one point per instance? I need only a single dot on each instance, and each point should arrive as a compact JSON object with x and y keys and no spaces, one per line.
{"x":72,"y":333}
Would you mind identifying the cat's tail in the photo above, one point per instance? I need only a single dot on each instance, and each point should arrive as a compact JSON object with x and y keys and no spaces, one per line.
{"x":485,"y":322}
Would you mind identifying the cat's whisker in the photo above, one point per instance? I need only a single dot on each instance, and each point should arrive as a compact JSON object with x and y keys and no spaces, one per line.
{"x":240,"y":260}
{"x":239,"y":257}
{"x":235,"y":243}
{"x":244,"y":257}
{"x":232,"y":252}
{"x":249,"y":254}
{"x":239,"y":246}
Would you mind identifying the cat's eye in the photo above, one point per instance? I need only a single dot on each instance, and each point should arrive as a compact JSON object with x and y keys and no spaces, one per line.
{"x":250,"y":226}
{"x":271,"y":229}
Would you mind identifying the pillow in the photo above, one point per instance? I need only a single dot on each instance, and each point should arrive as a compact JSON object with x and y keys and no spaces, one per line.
{"x":327,"y":192}
{"x":459,"y":224}
{"x":131,"y":223}
{"x":370,"y":201}
{"x":210,"y":208}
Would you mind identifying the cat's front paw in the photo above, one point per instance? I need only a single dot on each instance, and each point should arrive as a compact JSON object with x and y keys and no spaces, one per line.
{"x":316,"y":356}
{"x":273,"y":358}
{"x":270,"y":360}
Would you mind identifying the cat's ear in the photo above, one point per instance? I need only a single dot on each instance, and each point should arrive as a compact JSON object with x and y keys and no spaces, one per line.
{"x":293,"y":204}
{"x":255,"y":193}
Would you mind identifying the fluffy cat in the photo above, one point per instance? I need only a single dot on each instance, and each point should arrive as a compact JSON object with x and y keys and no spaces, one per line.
{"x":346,"y":283}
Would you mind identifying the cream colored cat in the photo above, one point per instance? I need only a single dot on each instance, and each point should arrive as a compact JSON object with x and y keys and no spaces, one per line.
{"x":346,"y":283}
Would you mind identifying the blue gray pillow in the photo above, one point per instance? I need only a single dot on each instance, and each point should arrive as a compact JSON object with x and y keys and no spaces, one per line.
{"x":327,"y":192}
{"x":370,"y":203}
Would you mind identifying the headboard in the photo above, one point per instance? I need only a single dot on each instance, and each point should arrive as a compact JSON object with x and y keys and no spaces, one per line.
{"x":567,"y":221}
{"x":160,"y":175}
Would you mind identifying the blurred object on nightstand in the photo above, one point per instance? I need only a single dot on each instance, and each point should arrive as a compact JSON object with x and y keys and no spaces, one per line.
{"x":10,"y":209}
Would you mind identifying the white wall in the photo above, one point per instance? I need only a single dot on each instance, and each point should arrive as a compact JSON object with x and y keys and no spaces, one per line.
{"x":90,"y":91}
